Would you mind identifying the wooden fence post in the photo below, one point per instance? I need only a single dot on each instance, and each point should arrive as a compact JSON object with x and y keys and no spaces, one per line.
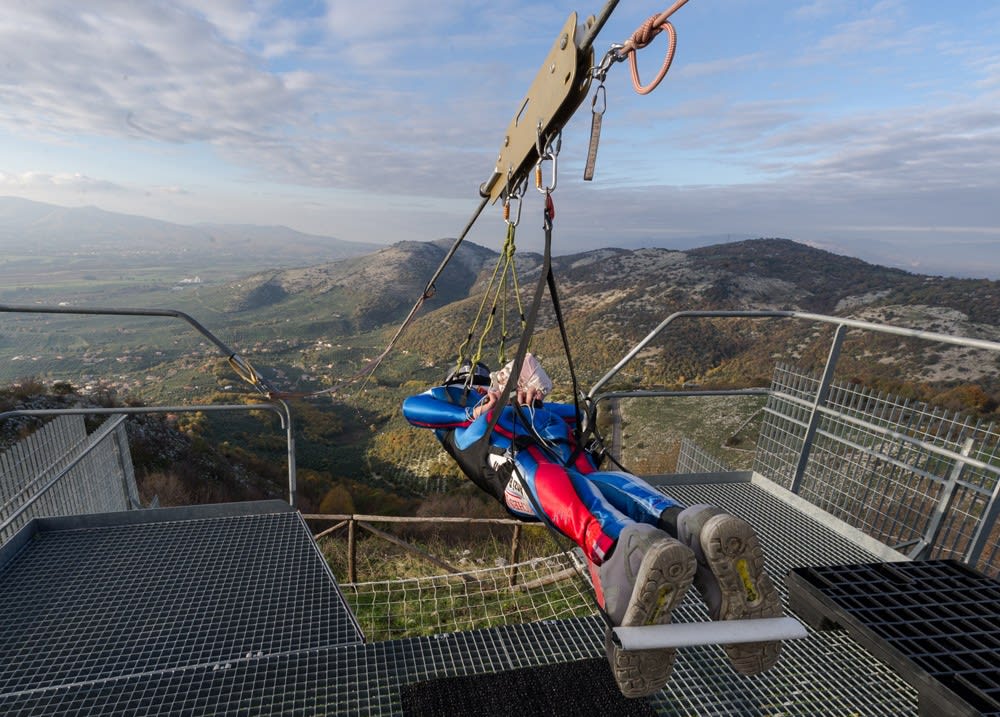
{"x":352,"y":569}
{"x":515,"y":553}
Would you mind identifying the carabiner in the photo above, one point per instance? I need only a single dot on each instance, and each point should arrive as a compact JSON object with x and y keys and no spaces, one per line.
{"x":506,"y":210}
{"x":613,"y":55}
{"x":538,"y":173}
{"x":515,"y":193}
{"x":600,"y":102}
{"x":548,"y":150}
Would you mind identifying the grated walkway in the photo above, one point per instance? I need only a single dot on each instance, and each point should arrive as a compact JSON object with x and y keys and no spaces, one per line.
{"x":230,"y":609}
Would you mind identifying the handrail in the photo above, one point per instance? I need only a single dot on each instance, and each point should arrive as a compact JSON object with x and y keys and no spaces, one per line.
{"x":817,"y":407}
{"x":243,"y":368}
{"x":279,"y":407}
{"x":820,"y":318}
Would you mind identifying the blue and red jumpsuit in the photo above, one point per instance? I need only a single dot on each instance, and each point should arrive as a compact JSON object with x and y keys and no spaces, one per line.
{"x":530,"y":447}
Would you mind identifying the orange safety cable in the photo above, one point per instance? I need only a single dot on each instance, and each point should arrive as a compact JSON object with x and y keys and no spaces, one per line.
{"x":642,"y":37}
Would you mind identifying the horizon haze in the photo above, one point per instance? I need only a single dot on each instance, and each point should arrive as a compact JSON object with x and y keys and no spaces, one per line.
{"x":26,"y":226}
{"x":868,"y":128}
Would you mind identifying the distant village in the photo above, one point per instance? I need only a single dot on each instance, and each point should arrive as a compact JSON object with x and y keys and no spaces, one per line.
{"x":103,"y":366}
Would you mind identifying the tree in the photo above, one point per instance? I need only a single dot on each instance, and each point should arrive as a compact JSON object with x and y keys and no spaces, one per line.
{"x":337,"y":501}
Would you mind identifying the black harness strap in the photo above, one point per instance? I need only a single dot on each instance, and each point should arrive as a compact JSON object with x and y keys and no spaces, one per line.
{"x":529,"y":325}
{"x":577,"y":434}
{"x":546,"y":278}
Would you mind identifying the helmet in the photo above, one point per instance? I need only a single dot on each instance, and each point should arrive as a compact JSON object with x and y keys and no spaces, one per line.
{"x":478,"y":375}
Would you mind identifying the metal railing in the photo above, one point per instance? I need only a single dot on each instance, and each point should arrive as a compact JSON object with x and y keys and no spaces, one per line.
{"x":242,"y":367}
{"x":920,"y":479}
{"x":245,"y":370}
{"x":61,"y":470}
{"x":279,"y":407}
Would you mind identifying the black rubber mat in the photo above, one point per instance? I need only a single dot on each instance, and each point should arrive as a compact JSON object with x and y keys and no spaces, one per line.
{"x":562,"y":690}
{"x":936,"y":622}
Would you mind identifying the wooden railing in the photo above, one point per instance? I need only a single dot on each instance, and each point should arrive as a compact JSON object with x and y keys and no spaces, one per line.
{"x":352,"y":522}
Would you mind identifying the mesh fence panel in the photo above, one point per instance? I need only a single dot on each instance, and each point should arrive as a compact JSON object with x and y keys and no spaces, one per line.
{"x":61,"y":470}
{"x":876,"y":463}
{"x":694,"y":459}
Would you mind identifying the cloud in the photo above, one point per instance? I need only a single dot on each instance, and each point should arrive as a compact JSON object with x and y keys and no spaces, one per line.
{"x":358,"y":115}
{"x":393,"y":97}
{"x":33,"y":181}
{"x":882,"y":28}
{"x":716,"y":67}
{"x":817,"y":9}
{"x":134,"y":70}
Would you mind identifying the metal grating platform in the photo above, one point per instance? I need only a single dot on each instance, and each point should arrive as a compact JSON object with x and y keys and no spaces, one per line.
{"x":936,"y":622}
{"x":825,"y":674}
{"x":91,"y":603}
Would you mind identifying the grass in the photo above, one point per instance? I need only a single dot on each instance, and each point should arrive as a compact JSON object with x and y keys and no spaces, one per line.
{"x":398,"y":594}
{"x":724,"y":426}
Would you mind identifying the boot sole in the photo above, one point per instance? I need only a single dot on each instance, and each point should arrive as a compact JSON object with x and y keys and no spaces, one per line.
{"x":664,"y":576}
{"x":733,"y":554}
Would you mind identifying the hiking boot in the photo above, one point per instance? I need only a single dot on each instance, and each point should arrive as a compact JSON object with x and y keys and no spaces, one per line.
{"x":731,"y":579}
{"x":642,"y":581}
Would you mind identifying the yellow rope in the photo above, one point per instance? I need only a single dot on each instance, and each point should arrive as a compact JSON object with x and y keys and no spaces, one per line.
{"x":495,"y":289}
{"x":479,"y":315}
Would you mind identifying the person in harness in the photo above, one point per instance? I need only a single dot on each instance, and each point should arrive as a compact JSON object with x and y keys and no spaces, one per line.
{"x":644,"y":549}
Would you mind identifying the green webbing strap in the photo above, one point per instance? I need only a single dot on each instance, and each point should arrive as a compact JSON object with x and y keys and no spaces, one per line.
{"x":529,"y":325}
{"x":509,"y":249}
{"x":479,"y":315}
{"x":505,"y":266}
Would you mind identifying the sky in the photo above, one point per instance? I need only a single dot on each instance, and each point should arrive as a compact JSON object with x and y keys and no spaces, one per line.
{"x":868,"y":128}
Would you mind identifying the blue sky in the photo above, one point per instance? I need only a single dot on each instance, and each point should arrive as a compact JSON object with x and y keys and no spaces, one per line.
{"x":866,"y":128}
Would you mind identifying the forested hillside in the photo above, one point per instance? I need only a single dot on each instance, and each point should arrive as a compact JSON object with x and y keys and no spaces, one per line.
{"x":309,"y":329}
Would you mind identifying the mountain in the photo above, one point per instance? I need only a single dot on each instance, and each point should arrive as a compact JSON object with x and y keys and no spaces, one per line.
{"x":327,"y":318}
{"x":612,"y":298}
{"x":369,"y":290}
{"x":307,"y":329}
{"x":35,"y":229}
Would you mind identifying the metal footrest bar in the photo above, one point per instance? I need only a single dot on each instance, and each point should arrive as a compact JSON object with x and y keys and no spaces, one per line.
{"x":724,"y":632}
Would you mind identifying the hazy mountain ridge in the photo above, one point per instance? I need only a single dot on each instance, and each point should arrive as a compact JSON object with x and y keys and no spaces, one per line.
{"x":617,"y":286}
{"x":319,"y":289}
{"x":28,"y":227}
{"x":613,"y":297}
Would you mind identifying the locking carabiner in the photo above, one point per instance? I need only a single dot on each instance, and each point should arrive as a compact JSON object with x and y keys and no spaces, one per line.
{"x":514,"y":194}
{"x":549,"y":151}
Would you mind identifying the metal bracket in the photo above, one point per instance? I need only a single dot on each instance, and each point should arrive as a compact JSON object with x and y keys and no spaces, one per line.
{"x":562,"y":83}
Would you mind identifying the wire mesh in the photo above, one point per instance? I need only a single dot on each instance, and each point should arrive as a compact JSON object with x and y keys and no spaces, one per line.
{"x":885,"y":464}
{"x":936,"y":622}
{"x":151,"y":627}
{"x":824,"y":674}
{"x":61,"y":470}
{"x":547,"y":588}
{"x":93,"y":604}
{"x":693,"y":459}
